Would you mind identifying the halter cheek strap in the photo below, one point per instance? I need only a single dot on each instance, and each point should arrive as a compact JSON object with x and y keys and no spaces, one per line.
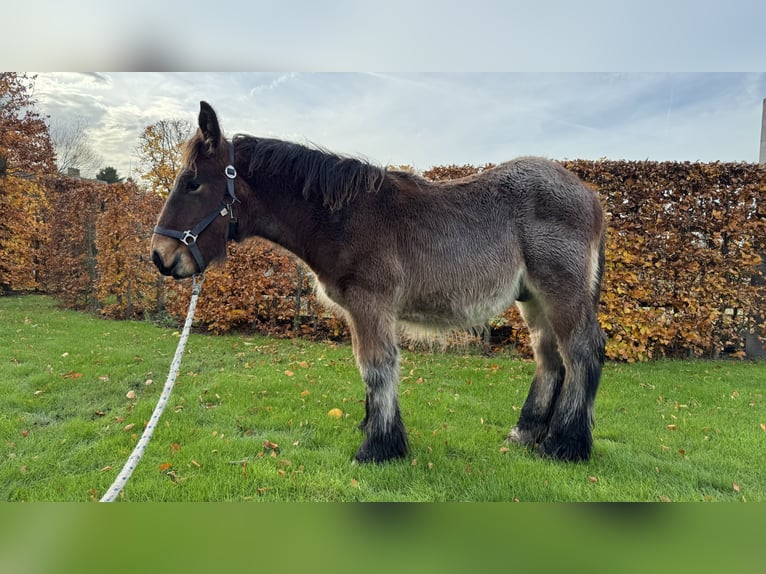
{"x":226,"y":207}
{"x":231,"y":173}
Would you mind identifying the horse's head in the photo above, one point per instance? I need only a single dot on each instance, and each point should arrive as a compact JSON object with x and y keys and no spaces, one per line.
{"x":198,"y":218}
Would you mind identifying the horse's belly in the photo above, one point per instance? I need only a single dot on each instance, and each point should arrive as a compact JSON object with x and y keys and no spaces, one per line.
{"x":454,"y":311}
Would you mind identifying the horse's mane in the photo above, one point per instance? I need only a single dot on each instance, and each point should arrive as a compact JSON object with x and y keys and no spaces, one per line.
{"x":337,"y":179}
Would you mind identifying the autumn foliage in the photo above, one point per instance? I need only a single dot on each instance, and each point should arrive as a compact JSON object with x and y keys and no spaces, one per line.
{"x":26,"y":152}
{"x":685,"y":243}
{"x":96,"y":254}
{"x":22,"y":200}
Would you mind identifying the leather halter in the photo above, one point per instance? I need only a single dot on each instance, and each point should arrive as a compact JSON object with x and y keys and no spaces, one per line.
{"x":226,"y":207}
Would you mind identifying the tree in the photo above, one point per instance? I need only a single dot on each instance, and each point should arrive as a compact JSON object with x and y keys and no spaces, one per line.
{"x":26,"y":154}
{"x":109,"y":175}
{"x":160,"y":152}
{"x":25,"y":143}
{"x":73,"y":151}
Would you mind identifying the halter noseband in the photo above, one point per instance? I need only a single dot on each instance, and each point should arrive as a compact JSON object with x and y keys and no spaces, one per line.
{"x":226,"y":207}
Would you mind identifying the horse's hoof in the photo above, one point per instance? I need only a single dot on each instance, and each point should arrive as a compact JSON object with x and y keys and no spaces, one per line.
{"x":566,"y":450}
{"x":522,"y":437}
{"x":393,"y":447}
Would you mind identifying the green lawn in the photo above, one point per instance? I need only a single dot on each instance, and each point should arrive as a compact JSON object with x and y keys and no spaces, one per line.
{"x":248,"y":420}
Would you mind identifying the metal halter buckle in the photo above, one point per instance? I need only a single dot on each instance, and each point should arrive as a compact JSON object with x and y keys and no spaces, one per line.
{"x":189,"y":238}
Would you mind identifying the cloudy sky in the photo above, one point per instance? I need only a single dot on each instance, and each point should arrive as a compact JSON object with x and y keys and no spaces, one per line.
{"x":426,"y":119}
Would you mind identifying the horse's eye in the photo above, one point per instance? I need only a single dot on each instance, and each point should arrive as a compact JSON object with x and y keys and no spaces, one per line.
{"x":192,"y":185}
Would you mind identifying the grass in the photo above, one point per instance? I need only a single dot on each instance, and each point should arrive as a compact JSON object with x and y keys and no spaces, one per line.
{"x":248,"y":420}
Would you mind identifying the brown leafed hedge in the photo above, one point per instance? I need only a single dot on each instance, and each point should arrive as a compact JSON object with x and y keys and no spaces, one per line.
{"x":685,"y":241}
{"x":682,"y":274}
{"x":96,"y":254}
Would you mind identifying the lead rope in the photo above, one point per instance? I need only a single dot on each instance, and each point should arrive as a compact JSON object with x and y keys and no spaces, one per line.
{"x":143,"y":442}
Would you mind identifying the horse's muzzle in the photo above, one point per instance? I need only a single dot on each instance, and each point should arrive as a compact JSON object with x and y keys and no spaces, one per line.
{"x":171,"y":258}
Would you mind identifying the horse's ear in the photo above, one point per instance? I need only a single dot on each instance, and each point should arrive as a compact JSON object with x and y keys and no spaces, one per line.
{"x":208,"y":125}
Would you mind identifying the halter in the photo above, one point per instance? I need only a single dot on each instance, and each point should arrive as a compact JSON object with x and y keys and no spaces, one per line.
{"x":226,"y":207}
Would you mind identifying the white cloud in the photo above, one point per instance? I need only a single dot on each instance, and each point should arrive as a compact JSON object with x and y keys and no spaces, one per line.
{"x":432,"y":119}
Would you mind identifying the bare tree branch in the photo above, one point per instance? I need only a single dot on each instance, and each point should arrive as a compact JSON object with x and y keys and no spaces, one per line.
{"x":73,"y":150}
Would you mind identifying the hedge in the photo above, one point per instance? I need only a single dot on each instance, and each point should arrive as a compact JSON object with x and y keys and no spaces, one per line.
{"x":683,"y":270}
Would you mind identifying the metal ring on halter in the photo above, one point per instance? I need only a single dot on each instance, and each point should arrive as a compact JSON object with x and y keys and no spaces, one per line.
{"x":230,"y":171}
{"x":189,"y":238}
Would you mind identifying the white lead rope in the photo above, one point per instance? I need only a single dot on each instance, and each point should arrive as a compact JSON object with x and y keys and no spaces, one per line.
{"x":143,"y":442}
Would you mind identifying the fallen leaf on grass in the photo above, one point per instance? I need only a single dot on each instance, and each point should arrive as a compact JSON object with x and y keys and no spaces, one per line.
{"x":129,"y":427}
{"x":671,"y":427}
{"x":354,"y":483}
{"x":665,"y":499}
{"x":593,"y":478}
{"x":289,"y":373}
{"x":504,"y":450}
{"x":763,"y":426}
{"x":131,"y":395}
{"x":195,"y":463}
{"x":735,"y":486}
{"x":72,"y":375}
{"x":165,"y":465}
{"x":305,"y":393}
{"x":272,"y":446}
{"x":335,"y":413}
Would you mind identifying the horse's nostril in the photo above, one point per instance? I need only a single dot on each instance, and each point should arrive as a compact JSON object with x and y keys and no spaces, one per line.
{"x":157,"y":260}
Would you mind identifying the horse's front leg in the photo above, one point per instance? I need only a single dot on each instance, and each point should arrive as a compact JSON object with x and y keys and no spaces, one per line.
{"x":377,"y":356}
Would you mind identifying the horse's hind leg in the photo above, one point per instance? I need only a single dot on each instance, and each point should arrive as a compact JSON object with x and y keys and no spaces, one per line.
{"x":546,"y":384}
{"x":582,"y":349}
{"x":377,"y":356}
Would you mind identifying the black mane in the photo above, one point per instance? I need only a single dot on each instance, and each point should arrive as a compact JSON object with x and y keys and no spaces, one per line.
{"x":337,"y":179}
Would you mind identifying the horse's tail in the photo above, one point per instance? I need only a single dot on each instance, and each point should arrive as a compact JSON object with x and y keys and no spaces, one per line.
{"x":598,"y":259}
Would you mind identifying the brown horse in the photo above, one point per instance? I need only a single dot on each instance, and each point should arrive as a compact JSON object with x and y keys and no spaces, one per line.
{"x":390,"y":250}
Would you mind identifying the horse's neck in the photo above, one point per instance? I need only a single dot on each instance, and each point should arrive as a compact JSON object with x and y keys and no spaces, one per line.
{"x":286,"y":221}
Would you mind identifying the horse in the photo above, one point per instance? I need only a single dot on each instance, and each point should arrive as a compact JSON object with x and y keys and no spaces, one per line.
{"x":391,"y":250}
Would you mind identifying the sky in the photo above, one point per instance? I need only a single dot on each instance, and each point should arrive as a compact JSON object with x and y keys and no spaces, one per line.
{"x":631,"y":79}
{"x":427,"y":119}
